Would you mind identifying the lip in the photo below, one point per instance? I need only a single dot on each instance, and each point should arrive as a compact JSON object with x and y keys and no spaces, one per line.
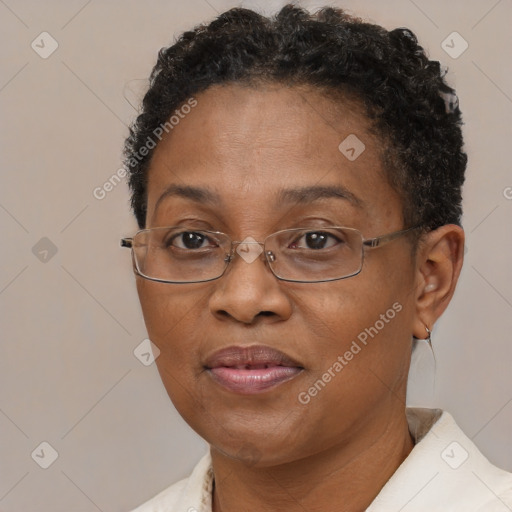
{"x":251,"y":370}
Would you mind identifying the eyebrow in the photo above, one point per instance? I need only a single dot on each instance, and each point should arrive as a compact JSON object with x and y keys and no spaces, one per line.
{"x":303,"y":195}
{"x":300,"y":195}
{"x":197,"y":194}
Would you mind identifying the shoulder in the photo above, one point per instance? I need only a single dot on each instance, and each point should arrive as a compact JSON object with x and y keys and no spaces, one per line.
{"x":192,"y":494}
{"x":501,"y":502}
{"x":465,"y":473}
{"x":444,"y":471}
{"x":163,"y":500}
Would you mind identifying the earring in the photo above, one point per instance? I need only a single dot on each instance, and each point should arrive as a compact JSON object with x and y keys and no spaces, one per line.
{"x":428,"y":339}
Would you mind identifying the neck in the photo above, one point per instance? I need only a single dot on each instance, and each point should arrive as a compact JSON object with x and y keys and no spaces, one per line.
{"x":346,"y":477}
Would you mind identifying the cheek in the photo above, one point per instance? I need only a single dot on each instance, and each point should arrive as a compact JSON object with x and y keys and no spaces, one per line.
{"x":336,"y":312}
{"x":162,"y":305}
{"x":358,"y":351}
{"x":365,"y":322}
{"x":172,"y":317}
{"x":173,"y":323}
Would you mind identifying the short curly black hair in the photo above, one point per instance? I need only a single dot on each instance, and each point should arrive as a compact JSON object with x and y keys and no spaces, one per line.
{"x":405,"y":94}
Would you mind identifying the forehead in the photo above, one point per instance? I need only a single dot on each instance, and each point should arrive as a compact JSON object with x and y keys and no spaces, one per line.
{"x":248,"y":144}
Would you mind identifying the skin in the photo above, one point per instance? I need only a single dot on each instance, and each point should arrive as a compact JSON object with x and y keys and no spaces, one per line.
{"x":269,"y":451}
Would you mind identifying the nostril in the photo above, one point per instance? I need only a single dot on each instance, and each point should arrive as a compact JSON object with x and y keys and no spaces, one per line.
{"x":266,"y":313}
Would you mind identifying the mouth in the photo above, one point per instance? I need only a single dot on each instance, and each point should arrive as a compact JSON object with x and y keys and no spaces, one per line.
{"x":251,"y":370}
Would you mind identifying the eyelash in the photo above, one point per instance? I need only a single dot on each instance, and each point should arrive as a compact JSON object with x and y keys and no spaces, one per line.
{"x":167,"y":243}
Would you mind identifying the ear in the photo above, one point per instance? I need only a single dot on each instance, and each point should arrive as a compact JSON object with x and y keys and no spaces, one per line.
{"x":438,"y":261}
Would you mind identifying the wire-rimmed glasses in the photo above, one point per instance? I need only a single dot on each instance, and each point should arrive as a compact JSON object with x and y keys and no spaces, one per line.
{"x":181,"y":255}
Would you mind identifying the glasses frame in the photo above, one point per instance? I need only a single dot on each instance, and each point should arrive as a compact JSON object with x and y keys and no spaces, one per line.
{"x":370,"y":243}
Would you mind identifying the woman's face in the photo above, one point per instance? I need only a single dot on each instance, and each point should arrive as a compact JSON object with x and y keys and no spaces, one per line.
{"x":247,"y":147}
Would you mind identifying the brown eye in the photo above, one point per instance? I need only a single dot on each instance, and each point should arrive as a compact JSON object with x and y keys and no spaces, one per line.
{"x":191,"y":240}
{"x":316,"y":240}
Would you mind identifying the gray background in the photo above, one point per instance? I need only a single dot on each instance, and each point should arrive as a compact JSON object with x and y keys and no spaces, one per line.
{"x":70,"y":321}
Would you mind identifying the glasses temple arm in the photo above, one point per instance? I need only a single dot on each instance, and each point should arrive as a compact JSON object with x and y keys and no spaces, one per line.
{"x":381,"y":240}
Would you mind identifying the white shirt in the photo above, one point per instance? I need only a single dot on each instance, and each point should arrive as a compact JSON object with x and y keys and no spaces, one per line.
{"x":444,"y":472}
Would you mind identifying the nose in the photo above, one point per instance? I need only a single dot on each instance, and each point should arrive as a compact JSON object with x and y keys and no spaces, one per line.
{"x":248,"y":291}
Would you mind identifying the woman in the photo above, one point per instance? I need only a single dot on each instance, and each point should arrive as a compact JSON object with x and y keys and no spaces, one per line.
{"x":297,"y":183}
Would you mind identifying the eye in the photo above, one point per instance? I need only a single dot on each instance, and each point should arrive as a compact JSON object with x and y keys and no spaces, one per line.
{"x":315,"y":240}
{"x":190,"y":240}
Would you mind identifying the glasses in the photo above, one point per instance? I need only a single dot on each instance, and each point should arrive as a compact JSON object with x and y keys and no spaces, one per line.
{"x":303,"y":255}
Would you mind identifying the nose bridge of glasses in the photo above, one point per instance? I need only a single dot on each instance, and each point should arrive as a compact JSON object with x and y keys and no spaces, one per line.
{"x":247,"y":241}
{"x":248,"y":249}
